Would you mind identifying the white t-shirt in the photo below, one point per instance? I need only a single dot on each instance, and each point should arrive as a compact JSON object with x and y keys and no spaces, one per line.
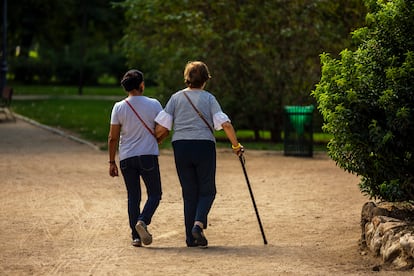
{"x":135,"y":139}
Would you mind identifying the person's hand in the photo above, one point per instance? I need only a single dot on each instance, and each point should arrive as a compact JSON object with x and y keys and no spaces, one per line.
{"x":238,"y":150}
{"x":113,"y":169}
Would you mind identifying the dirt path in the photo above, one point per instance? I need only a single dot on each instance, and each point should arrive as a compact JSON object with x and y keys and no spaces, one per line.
{"x":61,"y":214}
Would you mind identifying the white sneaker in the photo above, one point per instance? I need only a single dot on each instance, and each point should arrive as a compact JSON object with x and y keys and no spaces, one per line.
{"x":145,"y":236}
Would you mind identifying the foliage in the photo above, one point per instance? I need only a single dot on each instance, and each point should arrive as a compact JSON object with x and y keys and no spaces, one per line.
{"x":367,"y":100}
{"x":260,"y":58}
{"x":76,"y":41}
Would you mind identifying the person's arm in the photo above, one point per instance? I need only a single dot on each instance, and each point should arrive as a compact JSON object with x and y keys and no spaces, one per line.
{"x":113,"y":139}
{"x":231,"y":135}
{"x":163,"y":125}
{"x":161,"y":133}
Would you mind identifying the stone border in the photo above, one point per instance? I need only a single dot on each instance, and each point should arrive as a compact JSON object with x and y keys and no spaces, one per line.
{"x":388,"y":232}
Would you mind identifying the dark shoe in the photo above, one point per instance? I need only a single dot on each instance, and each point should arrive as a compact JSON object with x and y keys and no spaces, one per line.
{"x":136,"y":242}
{"x":198,"y":235}
{"x":194,"y":244}
{"x":143,"y":233}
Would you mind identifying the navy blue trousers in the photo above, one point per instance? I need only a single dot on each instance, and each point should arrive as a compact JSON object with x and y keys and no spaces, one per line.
{"x":195,"y":162}
{"x":146,"y":167}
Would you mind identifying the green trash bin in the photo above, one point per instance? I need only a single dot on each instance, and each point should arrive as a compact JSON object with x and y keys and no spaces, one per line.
{"x":298,"y":130}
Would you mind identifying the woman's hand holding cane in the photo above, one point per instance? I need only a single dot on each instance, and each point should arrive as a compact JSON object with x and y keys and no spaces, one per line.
{"x":238,"y":150}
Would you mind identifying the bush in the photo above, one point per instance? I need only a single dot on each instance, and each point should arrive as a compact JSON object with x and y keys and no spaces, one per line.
{"x":30,"y":70}
{"x":63,"y":67}
{"x":367,"y":99}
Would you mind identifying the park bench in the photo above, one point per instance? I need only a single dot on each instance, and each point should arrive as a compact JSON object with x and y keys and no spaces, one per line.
{"x":5,"y":102}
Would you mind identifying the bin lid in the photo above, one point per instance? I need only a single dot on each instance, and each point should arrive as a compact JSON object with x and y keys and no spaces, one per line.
{"x":299,"y":109}
{"x":299,"y":116}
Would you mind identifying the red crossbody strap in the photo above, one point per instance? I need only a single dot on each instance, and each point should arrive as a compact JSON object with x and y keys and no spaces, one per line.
{"x":139,"y":117}
{"x":199,"y":113}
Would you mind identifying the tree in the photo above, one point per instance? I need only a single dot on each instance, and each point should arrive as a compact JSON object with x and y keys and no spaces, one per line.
{"x":75,"y":41}
{"x":260,"y":58}
{"x":367,"y":100}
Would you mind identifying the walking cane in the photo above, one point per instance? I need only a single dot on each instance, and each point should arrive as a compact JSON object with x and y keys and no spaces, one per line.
{"x":242,"y":161}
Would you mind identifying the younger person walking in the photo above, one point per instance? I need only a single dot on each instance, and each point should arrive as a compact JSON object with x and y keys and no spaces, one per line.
{"x":132,"y":128}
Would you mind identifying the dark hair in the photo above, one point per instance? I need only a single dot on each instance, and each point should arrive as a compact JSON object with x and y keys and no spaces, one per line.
{"x":196,"y":74}
{"x":132,"y":80}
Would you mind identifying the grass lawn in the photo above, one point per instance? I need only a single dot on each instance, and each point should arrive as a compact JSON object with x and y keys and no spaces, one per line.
{"x":86,"y":117}
{"x":90,"y":117}
{"x":67,"y":90}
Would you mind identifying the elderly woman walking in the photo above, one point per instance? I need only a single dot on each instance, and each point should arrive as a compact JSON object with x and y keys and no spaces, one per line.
{"x":193,"y":113}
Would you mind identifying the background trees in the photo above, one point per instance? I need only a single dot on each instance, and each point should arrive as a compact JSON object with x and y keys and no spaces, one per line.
{"x":67,"y":41}
{"x":367,"y":100}
{"x":262,"y":54}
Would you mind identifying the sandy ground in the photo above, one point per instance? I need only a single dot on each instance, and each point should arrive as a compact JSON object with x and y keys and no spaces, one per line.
{"x":61,"y":214}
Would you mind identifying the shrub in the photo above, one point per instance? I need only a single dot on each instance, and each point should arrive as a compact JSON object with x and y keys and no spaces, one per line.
{"x":366,"y":98}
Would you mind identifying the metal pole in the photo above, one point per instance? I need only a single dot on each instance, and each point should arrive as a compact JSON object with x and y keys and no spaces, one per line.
{"x":3,"y":71}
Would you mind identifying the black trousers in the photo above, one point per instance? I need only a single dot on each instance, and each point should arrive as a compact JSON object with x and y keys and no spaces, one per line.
{"x":195,"y":162}
{"x":145,"y":166}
